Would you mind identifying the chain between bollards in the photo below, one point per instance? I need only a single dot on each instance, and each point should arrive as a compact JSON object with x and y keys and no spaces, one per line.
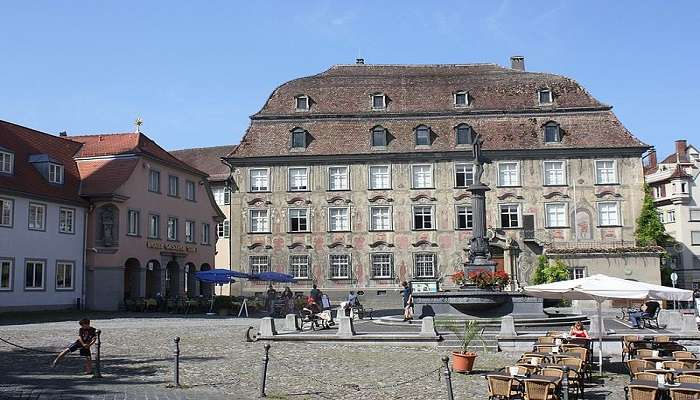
{"x":177,"y":360}
{"x":448,"y":377}
{"x":97,"y":371}
{"x":263,"y":374}
{"x":565,"y":384}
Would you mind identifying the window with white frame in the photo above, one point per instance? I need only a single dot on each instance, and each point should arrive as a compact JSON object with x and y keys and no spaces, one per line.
{"x":422,"y":176}
{"x":338,"y":178}
{"x":339,"y":219}
{"x":339,"y":266}
{"x":66,"y":220}
{"x":380,"y":218}
{"x":154,"y":181}
{"x":461,"y":99}
{"x":34,"y":274}
{"x":609,"y":213}
{"x":423,"y":218}
{"x":173,"y":186}
{"x":671,"y":216}
{"x":684,"y":187}
{"x":259,"y":264}
{"x":552,"y":133}
{"x":577,"y":272}
{"x":299,"y":266}
{"x":694,"y":214}
{"x":301,"y":103}
{"x":424,"y":265}
{"x":190,"y":190}
{"x":189,"y":231}
{"x":544,"y":96}
{"x":380,"y":177}
{"x":464,"y":134}
{"x":222,"y":195}
{"x":658,"y":192}
{"x":660,"y":215}
{"x":380,"y":137}
{"x":554,"y":173}
{"x":259,"y":221}
{"x":298,"y":138}
{"x":605,"y":172}
{"x":206,"y":233}
{"x":132,"y":223}
{"x":64,"y":275}
{"x":509,"y":173}
{"x":37,"y":217}
{"x":555,"y":213}
{"x":464,"y":175}
{"x":464,"y":217}
{"x":423,"y":136}
{"x":259,"y":179}
{"x":695,"y":238}
{"x":154,"y":226}
{"x":298,"y":179}
{"x":223,"y":229}
{"x":298,"y":220}
{"x":172,"y":228}
{"x":6,"y":269}
{"x":7,"y":162}
{"x":382,"y":265}
{"x":378,"y":101}
{"x":6,"y":215}
{"x":55,"y":173}
{"x":510,"y":215}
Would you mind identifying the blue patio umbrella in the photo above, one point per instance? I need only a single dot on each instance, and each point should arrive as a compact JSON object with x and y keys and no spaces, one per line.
{"x":216,"y":276}
{"x":237,"y":274}
{"x":273,"y":277}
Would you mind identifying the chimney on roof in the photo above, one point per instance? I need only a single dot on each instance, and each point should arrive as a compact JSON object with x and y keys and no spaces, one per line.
{"x":681,"y":147}
{"x":652,"y":158}
{"x":517,"y":63}
{"x":63,"y":134}
{"x":360,"y":61}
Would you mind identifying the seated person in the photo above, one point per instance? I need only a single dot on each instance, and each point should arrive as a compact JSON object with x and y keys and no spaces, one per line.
{"x":314,"y":310}
{"x":648,"y":310}
{"x":578,"y":331}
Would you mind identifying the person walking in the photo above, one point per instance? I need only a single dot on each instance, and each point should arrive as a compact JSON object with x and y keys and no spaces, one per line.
{"x":87,"y":336}
{"x":270,"y":300}
{"x":407,"y":293}
{"x":316,"y":294}
{"x":288,"y":298}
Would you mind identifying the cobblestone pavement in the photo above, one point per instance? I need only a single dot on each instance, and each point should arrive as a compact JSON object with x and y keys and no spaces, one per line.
{"x":217,"y":363}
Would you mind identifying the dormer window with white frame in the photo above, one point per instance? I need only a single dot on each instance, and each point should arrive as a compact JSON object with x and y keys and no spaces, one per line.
{"x":378,"y":101}
{"x":461,"y":98}
{"x":464,"y":134}
{"x":302,"y":103}
{"x":380,"y":137}
{"x":7,"y":162}
{"x":552,"y":132}
{"x":545,"y":97}
{"x":299,"y":138}
{"x":423,"y":136}
{"x":55,"y":173}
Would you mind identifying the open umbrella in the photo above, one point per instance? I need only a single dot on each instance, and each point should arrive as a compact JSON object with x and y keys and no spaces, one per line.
{"x":216,"y":276}
{"x":235,"y":274}
{"x":602,"y":287}
{"x":273,"y":277}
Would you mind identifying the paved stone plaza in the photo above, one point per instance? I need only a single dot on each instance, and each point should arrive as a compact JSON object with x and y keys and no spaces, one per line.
{"x":217,"y":363}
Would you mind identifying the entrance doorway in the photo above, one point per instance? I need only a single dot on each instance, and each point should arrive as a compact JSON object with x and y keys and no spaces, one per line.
{"x":132,"y":284}
{"x":172,"y":279}
{"x":153,"y":279}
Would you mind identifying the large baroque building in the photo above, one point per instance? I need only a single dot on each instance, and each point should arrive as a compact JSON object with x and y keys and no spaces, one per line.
{"x":356,"y":177}
{"x":675,"y":186}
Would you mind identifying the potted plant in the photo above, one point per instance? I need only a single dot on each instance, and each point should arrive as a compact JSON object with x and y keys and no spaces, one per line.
{"x":463,"y":360}
{"x":459,"y":279}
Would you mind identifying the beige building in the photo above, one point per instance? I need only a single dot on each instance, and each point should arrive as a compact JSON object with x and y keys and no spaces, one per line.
{"x":355,"y":178}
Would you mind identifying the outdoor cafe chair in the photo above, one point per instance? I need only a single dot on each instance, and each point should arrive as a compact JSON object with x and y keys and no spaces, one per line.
{"x":689,"y":363}
{"x":627,"y":347}
{"x":638,"y":365}
{"x":686,"y":378}
{"x":643,"y":353}
{"x":673,"y":364}
{"x":546,"y":340}
{"x":501,"y":387}
{"x":645,"y":376}
{"x":685,"y":394}
{"x":583,"y":354}
{"x":682,"y":354}
{"x":640,"y":392}
{"x":537,"y":389}
{"x":576,"y":372}
{"x":553,"y":333}
{"x":554,"y":372}
{"x":543,"y":348}
{"x":662,"y":338}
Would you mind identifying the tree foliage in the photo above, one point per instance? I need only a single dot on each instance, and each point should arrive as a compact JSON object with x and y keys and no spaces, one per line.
{"x":548,"y":272}
{"x":650,"y":231}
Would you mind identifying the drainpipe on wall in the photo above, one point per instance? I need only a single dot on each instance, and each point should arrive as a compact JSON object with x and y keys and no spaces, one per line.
{"x":83,"y":296}
{"x":229,"y":187}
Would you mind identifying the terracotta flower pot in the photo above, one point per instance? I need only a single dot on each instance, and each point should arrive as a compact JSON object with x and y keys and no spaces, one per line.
{"x":463,"y":362}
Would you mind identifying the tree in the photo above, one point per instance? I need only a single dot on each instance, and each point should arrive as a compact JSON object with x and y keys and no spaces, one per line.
{"x":650,"y":231}
{"x":548,"y":272}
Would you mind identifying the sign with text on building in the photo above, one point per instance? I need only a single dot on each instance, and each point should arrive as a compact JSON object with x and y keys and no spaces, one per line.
{"x":424,"y":286}
{"x":157,"y":244}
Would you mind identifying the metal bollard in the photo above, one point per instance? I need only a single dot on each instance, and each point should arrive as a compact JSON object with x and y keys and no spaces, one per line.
{"x":565,"y":384}
{"x":448,"y":378}
{"x":177,"y":361}
{"x":263,"y":375}
{"x":97,"y":373}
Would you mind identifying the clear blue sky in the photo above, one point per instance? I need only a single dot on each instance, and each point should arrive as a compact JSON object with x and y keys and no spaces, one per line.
{"x":194,"y":71}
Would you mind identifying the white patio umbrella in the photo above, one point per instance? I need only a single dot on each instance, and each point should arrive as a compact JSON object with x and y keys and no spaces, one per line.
{"x":602,"y":287}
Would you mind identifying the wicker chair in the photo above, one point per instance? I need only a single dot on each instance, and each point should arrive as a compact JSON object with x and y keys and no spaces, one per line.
{"x":554,"y":372}
{"x":685,"y":378}
{"x":576,"y":373}
{"x":637,"y":365}
{"x":627,"y":348}
{"x":637,"y":392}
{"x":689,"y":363}
{"x":645,"y":376}
{"x":685,"y":394}
{"x":543,"y":348}
{"x":662,"y":338}
{"x":642,"y":353}
{"x":553,"y":333}
{"x":501,"y":387}
{"x":674,"y":364}
{"x":583,"y":354}
{"x":546,"y":340}
{"x":537,"y":389}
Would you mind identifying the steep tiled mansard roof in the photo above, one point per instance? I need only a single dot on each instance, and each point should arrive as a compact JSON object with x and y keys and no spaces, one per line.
{"x":207,"y":159}
{"x":503,"y":108}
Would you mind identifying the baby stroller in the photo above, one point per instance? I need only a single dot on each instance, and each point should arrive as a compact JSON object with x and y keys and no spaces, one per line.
{"x":315,"y":317}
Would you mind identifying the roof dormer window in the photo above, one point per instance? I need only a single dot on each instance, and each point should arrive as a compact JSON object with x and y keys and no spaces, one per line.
{"x":302,"y":102}
{"x":379,"y":101}
{"x":464,"y":134}
{"x":379,"y":137}
{"x":422,"y":136}
{"x":55,"y":173}
{"x":552,"y":132}
{"x":7,"y":162}
{"x":545,"y":97}
{"x":298,"y":138}
{"x":461,"y":98}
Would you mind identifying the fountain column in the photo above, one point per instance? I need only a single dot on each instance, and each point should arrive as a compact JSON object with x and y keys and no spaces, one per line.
{"x":479,"y":253}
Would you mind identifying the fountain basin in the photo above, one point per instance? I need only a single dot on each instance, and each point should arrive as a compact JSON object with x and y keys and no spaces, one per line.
{"x":478,"y":303}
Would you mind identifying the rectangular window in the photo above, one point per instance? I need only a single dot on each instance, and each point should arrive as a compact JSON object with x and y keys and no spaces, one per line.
{"x":37,"y":217}
{"x":338,"y":178}
{"x":508,"y":174}
{"x":6,"y":268}
{"x":695,"y":214}
{"x":223,"y":230}
{"x":380,"y":218}
{"x":577,"y":272}
{"x":464,"y":217}
{"x":222,"y":195}
{"x":554,"y":173}
{"x":510,"y":215}
{"x":605,"y":172}
{"x":154,"y":181}
{"x":382,"y":265}
{"x":551,"y":133}
{"x":64,"y":275}
{"x":302,"y":103}
{"x":259,"y":179}
{"x":608,"y":214}
{"x":671,"y":216}
{"x":695,"y":238}
{"x":461,"y":98}
{"x":66,"y":220}
{"x":172,"y":228}
{"x":34,"y":275}
{"x":133,"y":223}
{"x":6,"y":215}
{"x":660,"y":214}
{"x":422,"y":176}
{"x":189,"y":231}
{"x":378,"y":101}
{"x":423,"y":218}
{"x":298,"y":220}
{"x":379,"y":137}
{"x":154,"y":226}
{"x":55,"y":173}
{"x":259,"y":221}
{"x":259,"y":264}
{"x":339,"y":219}
{"x":339,"y":266}
{"x":380,"y":177}
{"x":190,"y":190}
{"x":423,"y":136}
{"x":424,"y":265}
{"x":299,"y":266}
{"x":545,"y":96}
{"x":7,"y":162}
{"x":464,"y":175}
{"x":298,"y":179}
{"x":173,"y":186}
{"x":206,"y":234}
{"x":555,"y":214}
